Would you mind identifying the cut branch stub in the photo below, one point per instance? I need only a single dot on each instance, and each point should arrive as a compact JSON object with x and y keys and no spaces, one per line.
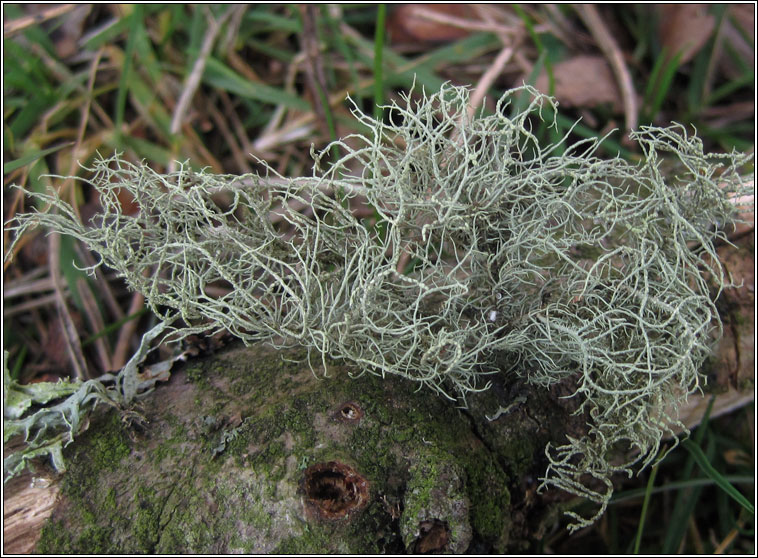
{"x":333,"y":490}
{"x":433,"y":537}
{"x":349,"y":412}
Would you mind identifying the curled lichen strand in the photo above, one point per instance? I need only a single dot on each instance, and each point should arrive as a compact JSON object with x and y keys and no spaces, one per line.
{"x":555,"y":261}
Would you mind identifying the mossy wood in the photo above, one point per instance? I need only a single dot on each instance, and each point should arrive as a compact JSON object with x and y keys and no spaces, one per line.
{"x":249,"y":451}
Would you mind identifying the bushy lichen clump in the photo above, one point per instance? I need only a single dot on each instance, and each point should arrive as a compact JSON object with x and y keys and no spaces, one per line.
{"x":489,"y":249}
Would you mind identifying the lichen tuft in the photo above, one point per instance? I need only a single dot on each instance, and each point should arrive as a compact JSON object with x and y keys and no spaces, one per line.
{"x":547,"y":258}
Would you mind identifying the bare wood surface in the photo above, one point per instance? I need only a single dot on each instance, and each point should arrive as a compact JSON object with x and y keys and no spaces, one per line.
{"x":28,"y":501}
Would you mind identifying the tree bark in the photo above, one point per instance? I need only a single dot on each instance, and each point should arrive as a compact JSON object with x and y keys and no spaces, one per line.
{"x":249,"y":451}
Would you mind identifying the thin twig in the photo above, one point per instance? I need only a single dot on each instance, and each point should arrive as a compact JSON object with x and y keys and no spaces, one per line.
{"x":560,"y":25}
{"x":24,"y":286}
{"x":201,"y":154}
{"x":697,"y":540}
{"x":604,"y":39}
{"x":462,"y":23}
{"x":193,"y":80}
{"x":88,"y":102}
{"x":489,"y":77}
{"x":236,"y":62}
{"x":70,"y":334}
{"x":13,"y":26}
{"x":33,"y":281}
{"x":103,"y":286}
{"x":314,"y":68}
{"x":63,"y":74}
{"x":226,"y":44}
{"x":728,"y":540}
{"x":231,"y":140}
{"x":96,"y":323}
{"x":232,"y":117}
{"x":510,"y":37}
{"x":29,"y":305}
{"x":272,"y":126}
{"x":68,"y":182}
{"x":126,"y":334}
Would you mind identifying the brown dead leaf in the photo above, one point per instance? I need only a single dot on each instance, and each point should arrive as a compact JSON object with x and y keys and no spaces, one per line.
{"x":583,"y":81}
{"x":744,"y":16}
{"x":737,"y":457}
{"x":407,"y":24}
{"x":738,"y":32}
{"x":67,"y":40}
{"x":684,"y":29}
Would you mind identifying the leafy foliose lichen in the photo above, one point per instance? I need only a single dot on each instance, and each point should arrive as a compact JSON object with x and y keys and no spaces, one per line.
{"x":490,"y":248}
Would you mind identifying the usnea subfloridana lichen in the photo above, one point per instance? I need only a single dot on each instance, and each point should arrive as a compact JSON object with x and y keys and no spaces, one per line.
{"x":491,"y":254}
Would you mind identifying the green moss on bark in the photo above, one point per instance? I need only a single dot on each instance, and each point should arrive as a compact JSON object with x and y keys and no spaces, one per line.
{"x":219,"y":466}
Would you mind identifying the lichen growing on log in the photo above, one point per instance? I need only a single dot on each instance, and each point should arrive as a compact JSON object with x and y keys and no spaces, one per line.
{"x":543,"y":262}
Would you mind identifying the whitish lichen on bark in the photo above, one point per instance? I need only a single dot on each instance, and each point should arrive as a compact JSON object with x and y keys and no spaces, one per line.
{"x":541,"y":261}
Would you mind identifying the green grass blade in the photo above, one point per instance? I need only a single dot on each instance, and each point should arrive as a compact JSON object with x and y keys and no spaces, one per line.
{"x":26,"y":76}
{"x":338,"y":41}
{"x":269,"y":50}
{"x":109,"y":34}
{"x":72,"y":269}
{"x":40,"y":36}
{"x":404,"y":72}
{"x":197,"y":27}
{"x":729,"y":136}
{"x":654,"y":75}
{"x":542,"y":52}
{"x":381,"y":13}
{"x":608,"y":145}
{"x":148,"y":61}
{"x":461,"y":51}
{"x":659,"y":84}
{"x":636,"y":493}
{"x":686,"y":500}
{"x":697,"y":88}
{"x":145,"y":97}
{"x":123,"y":85}
{"x":10,"y":166}
{"x":19,"y":362}
{"x":717,"y":477}
{"x":221,"y":76}
{"x":663,"y":88}
{"x":554,"y":133}
{"x":115,"y":326}
{"x":274,"y":22}
{"x":23,"y":70}
{"x":645,"y":503}
{"x":696,"y":85}
{"x":728,"y":88}
{"x":144,"y":148}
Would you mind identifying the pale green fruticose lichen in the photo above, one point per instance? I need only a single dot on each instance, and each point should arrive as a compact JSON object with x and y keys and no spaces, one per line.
{"x":547,"y":262}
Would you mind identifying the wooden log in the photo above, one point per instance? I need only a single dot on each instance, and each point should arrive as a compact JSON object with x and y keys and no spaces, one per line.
{"x":248,"y":452}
